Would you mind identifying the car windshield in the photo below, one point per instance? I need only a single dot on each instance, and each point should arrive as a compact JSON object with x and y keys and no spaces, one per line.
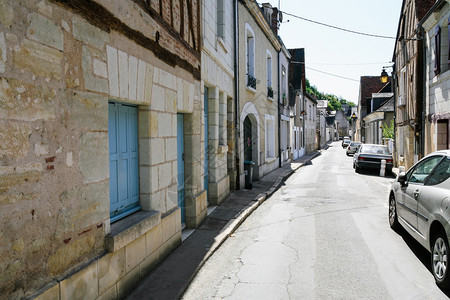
{"x":375,"y":149}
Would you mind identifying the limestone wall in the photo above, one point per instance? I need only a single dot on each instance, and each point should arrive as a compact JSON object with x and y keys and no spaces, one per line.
{"x":59,"y":68}
{"x":251,"y":17}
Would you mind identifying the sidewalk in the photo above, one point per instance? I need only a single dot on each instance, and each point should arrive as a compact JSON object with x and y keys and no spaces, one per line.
{"x":173,"y":275}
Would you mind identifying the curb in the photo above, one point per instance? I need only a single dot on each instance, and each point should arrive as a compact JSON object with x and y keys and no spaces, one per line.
{"x":234,"y":223}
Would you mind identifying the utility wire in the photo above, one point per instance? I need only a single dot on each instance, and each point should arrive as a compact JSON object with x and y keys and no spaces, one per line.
{"x":339,"y":28}
{"x":345,"y":64}
{"x":342,"y":77}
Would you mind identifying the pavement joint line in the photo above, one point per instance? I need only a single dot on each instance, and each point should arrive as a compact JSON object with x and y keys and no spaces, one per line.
{"x":234,"y":223}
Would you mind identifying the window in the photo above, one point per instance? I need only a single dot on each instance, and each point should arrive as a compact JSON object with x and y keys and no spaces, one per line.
{"x":270,"y":136}
{"x":283,"y":85}
{"x":448,"y":41}
{"x":221,"y":18}
{"x":402,"y":88}
{"x":423,"y":169}
{"x":440,"y":173}
{"x":442,"y":134}
{"x":250,"y":56}
{"x":123,"y":160}
{"x":269,"y":74}
{"x":437,"y":51}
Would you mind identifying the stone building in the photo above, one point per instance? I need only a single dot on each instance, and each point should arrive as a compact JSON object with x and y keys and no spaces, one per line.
{"x":436,"y":124}
{"x":368,"y":86}
{"x":310,"y":116}
{"x":218,"y":59}
{"x":297,"y":88}
{"x":102,"y":142}
{"x":381,"y":115}
{"x":258,"y":89}
{"x":408,"y":68}
{"x":286,"y":145}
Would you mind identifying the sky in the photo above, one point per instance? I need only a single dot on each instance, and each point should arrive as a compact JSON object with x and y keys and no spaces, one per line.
{"x":338,"y":52}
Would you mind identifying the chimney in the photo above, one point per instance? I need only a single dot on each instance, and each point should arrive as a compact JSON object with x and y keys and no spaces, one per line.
{"x":272,"y":16}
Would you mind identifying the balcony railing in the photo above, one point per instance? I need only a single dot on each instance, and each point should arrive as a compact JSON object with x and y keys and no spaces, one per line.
{"x":251,"y":81}
{"x":269,"y":92}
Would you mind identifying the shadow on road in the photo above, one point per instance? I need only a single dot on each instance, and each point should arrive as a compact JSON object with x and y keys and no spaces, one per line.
{"x":376,"y":173}
{"x":419,"y":251}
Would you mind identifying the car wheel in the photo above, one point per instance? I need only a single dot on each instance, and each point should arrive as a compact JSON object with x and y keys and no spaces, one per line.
{"x":357,"y":169}
{"x":347,"y":154}
{"x":439,"y":259}
{"x":393,"y":220}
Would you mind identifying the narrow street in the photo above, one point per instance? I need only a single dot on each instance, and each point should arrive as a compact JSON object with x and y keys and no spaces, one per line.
{"x":323,"y":235}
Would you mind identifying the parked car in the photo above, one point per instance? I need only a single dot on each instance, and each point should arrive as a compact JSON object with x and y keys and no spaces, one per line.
{"x":419,"y":201}
{"x":352,"y":147}
{"x":346,"y":141}
{"x":369,"y":156}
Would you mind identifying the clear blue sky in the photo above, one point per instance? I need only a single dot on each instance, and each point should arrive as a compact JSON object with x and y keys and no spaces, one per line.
{"x":329,"y":50}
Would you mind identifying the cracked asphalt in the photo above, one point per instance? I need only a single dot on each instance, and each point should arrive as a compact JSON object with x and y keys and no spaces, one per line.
{"x":323,"y":235}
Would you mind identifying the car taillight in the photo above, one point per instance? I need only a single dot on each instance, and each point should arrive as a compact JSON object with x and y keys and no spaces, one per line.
{"x":361,"y":158}
{"x":389,"y":161}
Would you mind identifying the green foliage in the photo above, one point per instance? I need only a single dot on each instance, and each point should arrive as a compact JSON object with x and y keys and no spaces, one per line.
{"x":388,"y":130}
{"x":334,"y":103}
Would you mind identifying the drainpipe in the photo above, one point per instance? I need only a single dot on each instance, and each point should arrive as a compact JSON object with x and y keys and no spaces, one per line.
{"x":236,"y":92}
{"x":424,"y":90}
{"x":279,"y":111}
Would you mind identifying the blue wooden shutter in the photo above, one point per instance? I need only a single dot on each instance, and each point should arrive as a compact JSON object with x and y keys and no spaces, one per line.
{"x":123,"y":158}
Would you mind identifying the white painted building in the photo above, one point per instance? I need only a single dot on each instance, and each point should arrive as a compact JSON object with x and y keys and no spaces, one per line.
{"x":218,"y":98}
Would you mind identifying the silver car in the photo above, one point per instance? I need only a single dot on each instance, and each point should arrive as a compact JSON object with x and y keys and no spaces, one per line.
{"x":351,"y":149}
{"x":419,"y":201}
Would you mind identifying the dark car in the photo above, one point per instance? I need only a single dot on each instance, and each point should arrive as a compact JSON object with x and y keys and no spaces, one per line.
{"x":369,"y":156}
{"x":419,"y":201}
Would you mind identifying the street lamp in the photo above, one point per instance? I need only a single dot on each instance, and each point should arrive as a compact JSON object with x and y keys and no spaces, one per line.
{"x":384,"y":76}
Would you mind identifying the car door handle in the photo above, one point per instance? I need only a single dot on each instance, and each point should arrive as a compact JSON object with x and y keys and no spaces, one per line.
{"x":416,"y":194}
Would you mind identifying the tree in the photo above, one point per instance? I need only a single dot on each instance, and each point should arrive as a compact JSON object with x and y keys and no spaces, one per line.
{"x":388,"y":130}
{"x":334,"y":103}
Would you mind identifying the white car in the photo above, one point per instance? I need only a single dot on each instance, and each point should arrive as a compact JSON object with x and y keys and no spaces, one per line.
{"x":419,"y":201}
{"x":351,"y":149}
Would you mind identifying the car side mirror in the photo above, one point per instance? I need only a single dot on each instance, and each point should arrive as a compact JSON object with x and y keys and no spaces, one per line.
{"x":402,"y":179}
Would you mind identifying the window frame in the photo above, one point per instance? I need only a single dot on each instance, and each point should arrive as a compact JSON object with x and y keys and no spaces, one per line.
{"x":437,"y":51}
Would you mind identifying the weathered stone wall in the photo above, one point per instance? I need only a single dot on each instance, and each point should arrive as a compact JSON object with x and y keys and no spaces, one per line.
{"x":59,"y":67}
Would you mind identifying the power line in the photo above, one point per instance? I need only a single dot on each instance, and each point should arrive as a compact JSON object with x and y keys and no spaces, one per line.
{"x":342,"y":77}
{"x":339,"y":28}
{"x":344,"y":64}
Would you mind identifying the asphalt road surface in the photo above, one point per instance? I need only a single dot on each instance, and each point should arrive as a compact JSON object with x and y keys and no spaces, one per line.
{"x":323,"y":235}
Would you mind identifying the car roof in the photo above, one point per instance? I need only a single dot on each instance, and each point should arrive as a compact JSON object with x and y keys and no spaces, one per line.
{"x":374,"y":145}
{"x":440,"y":152}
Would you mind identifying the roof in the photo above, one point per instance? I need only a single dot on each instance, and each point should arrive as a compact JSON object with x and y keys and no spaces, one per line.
{"x":368,"y":86}
{"x":387,"y":106}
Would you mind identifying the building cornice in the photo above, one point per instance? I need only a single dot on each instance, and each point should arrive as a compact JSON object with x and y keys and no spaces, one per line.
{"x":255,"y":11}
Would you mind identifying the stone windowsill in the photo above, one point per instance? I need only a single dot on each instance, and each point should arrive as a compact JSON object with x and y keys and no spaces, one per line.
{"x":270,"y":159}
{"x":250,"y":89}
{"x":221,"y":43}
{"x":130,"y":228}
{"x":269,"y":98}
